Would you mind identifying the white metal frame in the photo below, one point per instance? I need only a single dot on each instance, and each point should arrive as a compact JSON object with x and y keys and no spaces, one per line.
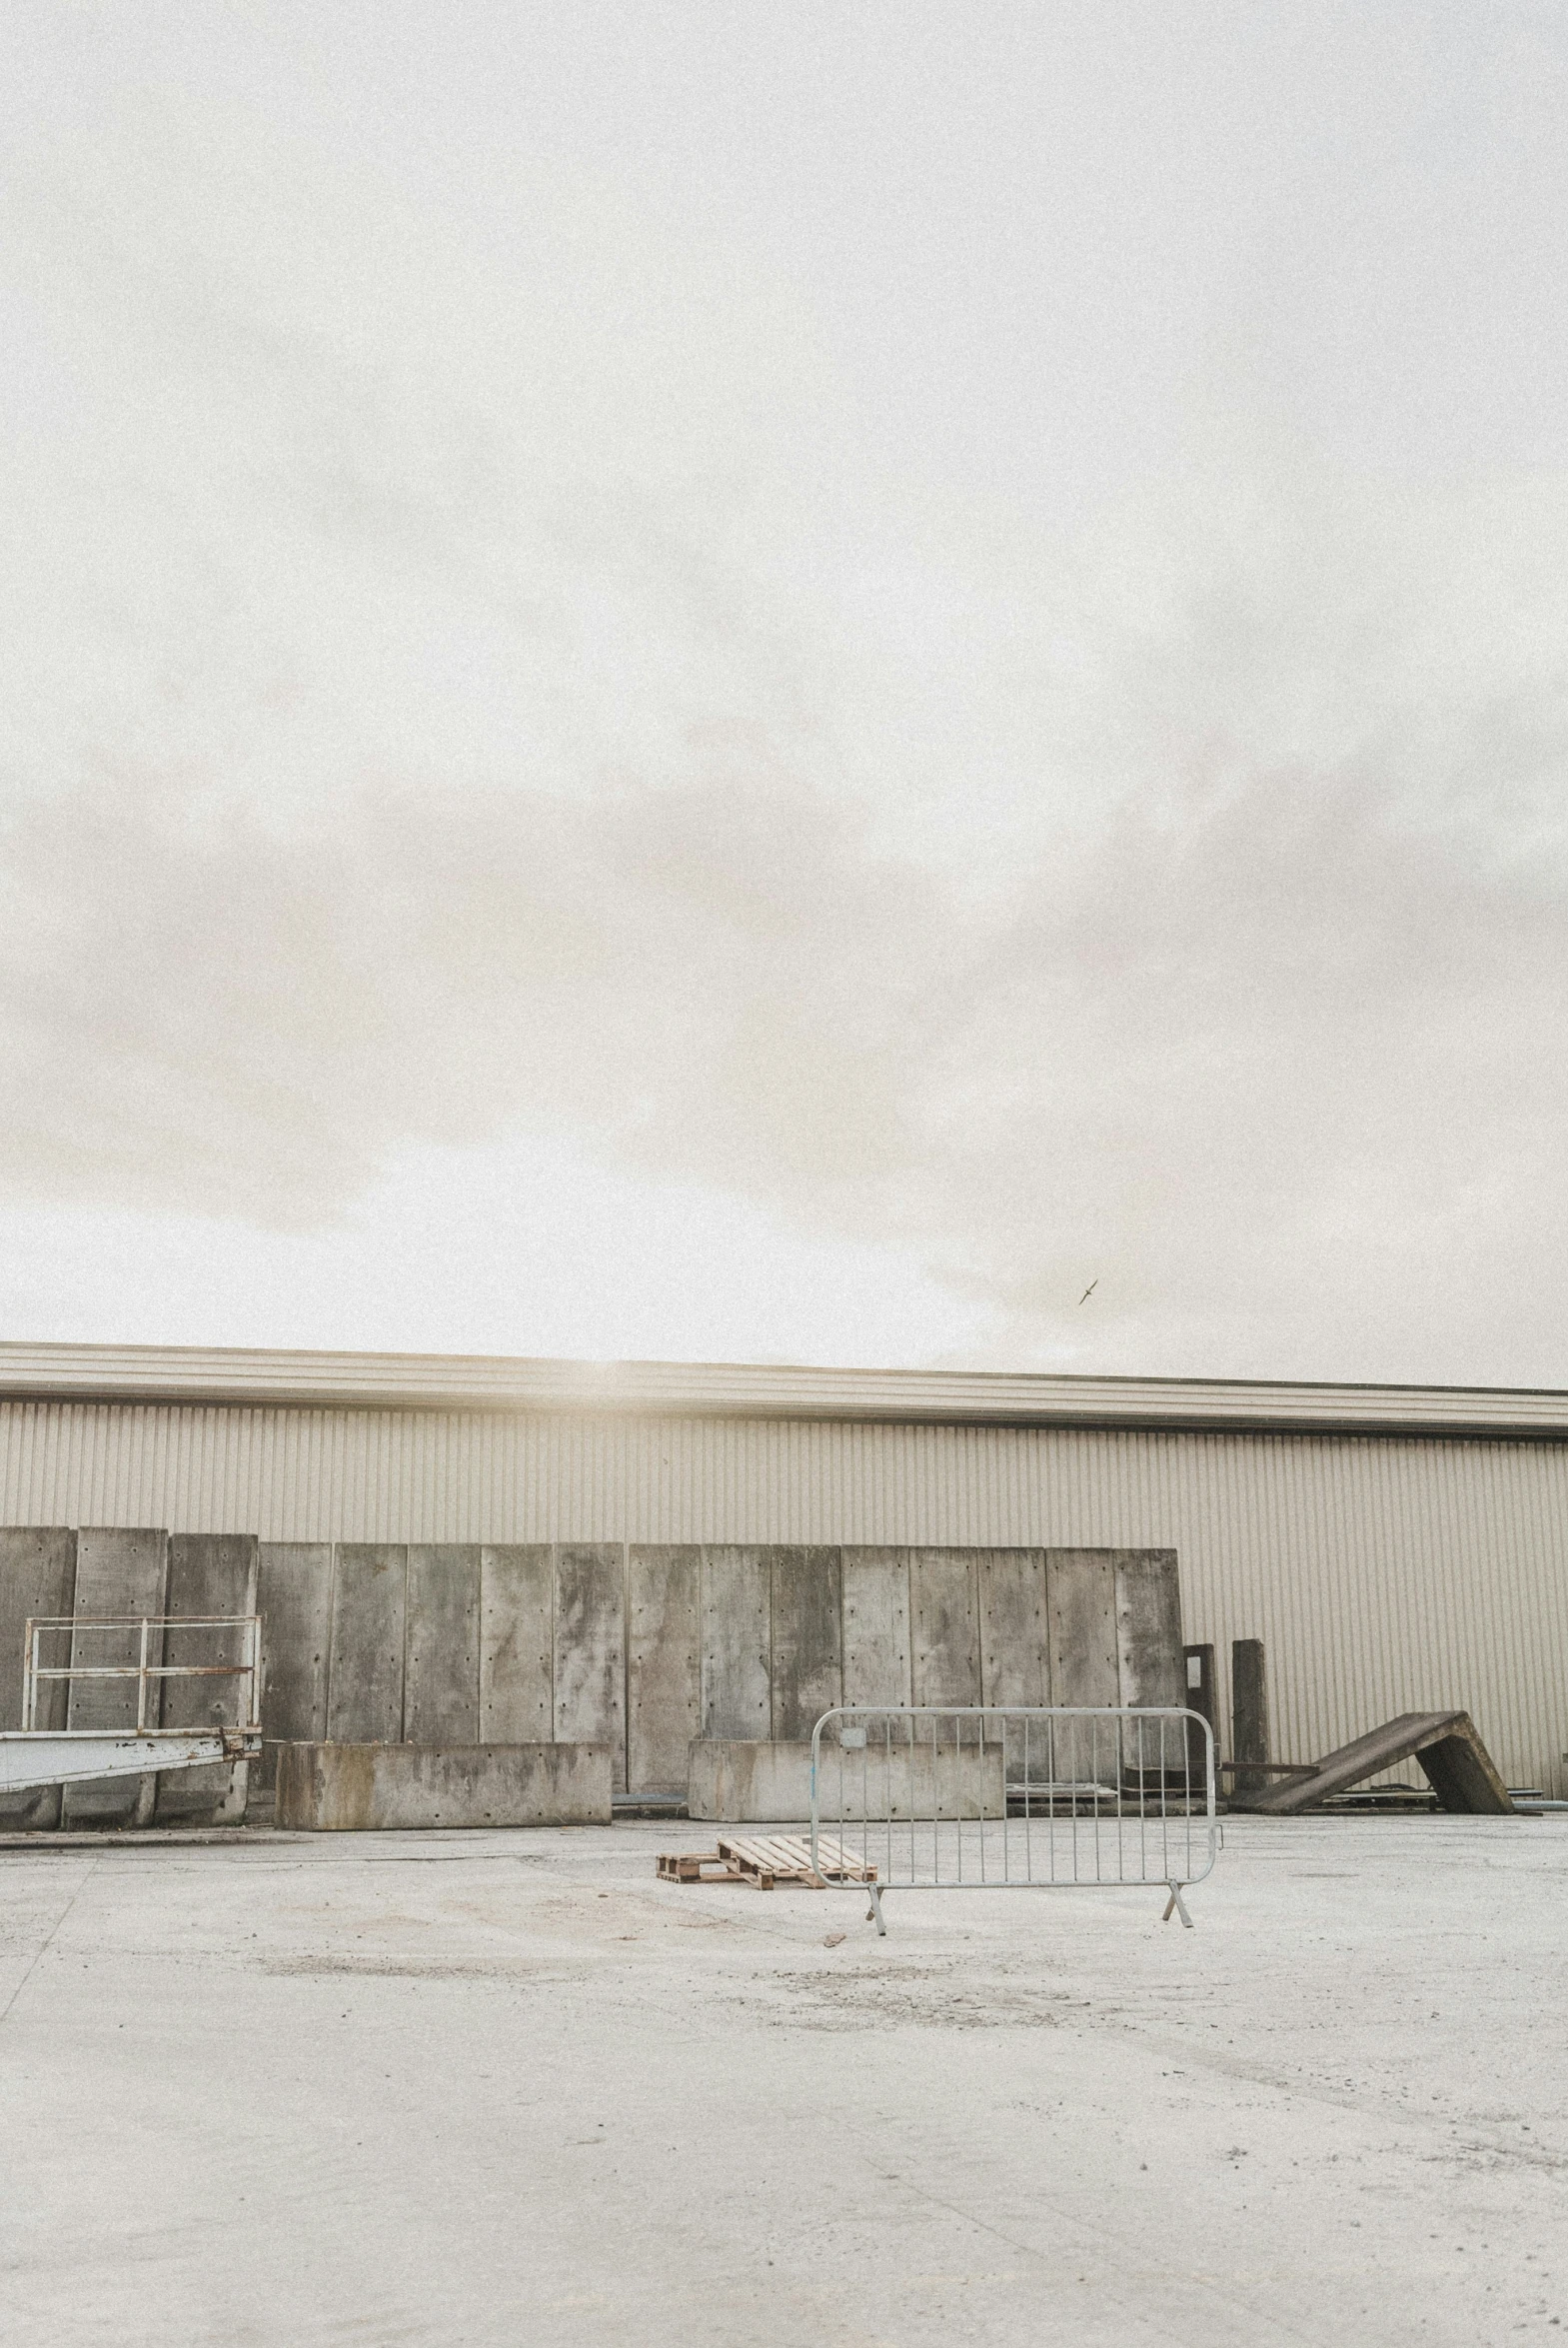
{"x":1142,"y":1814}
{"x":142,"y":1672}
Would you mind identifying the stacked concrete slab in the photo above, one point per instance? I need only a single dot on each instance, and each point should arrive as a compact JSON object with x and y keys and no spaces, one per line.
{"x":637,"y":1649}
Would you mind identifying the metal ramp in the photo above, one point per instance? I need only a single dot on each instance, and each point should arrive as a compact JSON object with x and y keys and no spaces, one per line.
{"x":32,"y":1757}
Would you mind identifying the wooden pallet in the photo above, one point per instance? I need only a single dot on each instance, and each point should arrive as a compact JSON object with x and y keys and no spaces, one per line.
{"x":764,"y":1860}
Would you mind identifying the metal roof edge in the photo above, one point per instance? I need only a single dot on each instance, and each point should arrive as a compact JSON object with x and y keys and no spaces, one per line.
{"x":222,"y":1375}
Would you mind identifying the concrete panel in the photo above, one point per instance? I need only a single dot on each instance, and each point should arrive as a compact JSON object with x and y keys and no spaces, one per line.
{"x":123,"y":1570}
{"x":1148,"y":1627}
{"x":441,"y":1656}
{"x":944,"y":1626}
{"x":737,"y":1605}
{"x":1014,"y":1643}
{"x":359,"y":1787}
{"x":663,"y":1665}
{"x":590,"y":1700}
{"x":807,"y":1638}
{"x":516,"y":1643}
{"x":876,"y":1625}
{"x":755,"y":1783}
{"x":294,"y":1600}
{"x":209,"y":1573}
{"x":365,"y":1668}
{"x":1081,"y":1599}
{"x":37,"y":1578}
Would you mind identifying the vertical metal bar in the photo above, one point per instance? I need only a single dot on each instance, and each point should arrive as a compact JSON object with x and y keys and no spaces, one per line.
{"x":141,"y":1683}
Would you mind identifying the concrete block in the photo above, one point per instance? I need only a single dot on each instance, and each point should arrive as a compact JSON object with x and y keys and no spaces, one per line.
{"x":808,"y":1641}
{"x":944,"y":1626}
{"x":1249,"y":1734}
{"x":663,"y":1665}
{"x":753,"y":1783}
{"x":119,"y":1570}
{"x":1014,"y":1641}
{"x":209,"y":1573}
{"x":355,"y":1787}
{"x":1080,"y":1598}
{"x":590,"y":1675}
{"x":369,"y":1615}
{"x":1148,"y":1627}
{"x":294,"y":1600}
{"x":876,"y":1625}
{"x":516,"y":1643}
{"x":441,"y":1664}
{"x":737,"y":1702}
{"x":37,"y":1578}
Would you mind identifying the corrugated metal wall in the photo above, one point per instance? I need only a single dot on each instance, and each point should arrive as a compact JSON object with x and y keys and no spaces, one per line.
{"x":1384,"y":1572}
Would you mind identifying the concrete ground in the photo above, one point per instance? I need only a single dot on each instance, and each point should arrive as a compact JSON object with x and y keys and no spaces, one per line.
{"x":506,"y":2088}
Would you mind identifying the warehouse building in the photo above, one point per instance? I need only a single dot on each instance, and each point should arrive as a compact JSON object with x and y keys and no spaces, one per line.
{"x":1395,"y":1549}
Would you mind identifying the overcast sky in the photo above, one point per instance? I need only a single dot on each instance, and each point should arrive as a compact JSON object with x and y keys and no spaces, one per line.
{"x":760,"y":680}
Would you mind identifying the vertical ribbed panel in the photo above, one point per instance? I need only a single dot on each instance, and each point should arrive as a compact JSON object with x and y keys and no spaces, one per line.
{"x":1383,"y":1572}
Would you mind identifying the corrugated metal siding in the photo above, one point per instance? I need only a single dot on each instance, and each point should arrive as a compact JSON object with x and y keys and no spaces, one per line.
{"x":1384,"y":1572}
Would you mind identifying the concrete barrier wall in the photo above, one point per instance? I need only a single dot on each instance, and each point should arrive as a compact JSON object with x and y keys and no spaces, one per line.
{"x":348,"y":1788}
{"x":640,"y":1651}
{"x":37,"y":1578}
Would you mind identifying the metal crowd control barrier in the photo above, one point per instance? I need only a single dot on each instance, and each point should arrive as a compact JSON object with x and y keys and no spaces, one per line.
{"x":998,"y":1797}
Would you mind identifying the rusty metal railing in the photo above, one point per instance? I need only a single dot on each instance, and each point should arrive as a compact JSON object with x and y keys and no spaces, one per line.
{"x":141,"y":1629}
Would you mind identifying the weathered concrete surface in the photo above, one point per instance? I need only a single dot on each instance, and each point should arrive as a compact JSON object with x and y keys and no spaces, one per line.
{"x":770,"y":1784}
{"x":516,"y":1643}
{"x":944,"y":1625}
{"x":735,"y":1643}
{"x":209,"y":1573}
{"x":374,"y":1788}
{"x":1148,"y":1627}
{"x":118,"y":1571}
{"x":663,"y":1665}
{"x":441,"y":1655}
{"x":1249,"y":1732}
{"x":294,"y":1600}
{"x":875,"y":1627}
{"x":807,"y":1655}
{"x":475,"y":2090}
{"x":37,"y":1578}
{"x":1457,"y":1764}
{"x":369,"y":1618}
{"x":590,"y":1675}
{"x":1084,"y":1663}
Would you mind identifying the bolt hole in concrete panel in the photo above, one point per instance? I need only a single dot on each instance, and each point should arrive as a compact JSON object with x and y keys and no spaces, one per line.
{"x":663,"y":1664}
{"x":294,"y":1600}
{"x":875,"y":1585}
{"x":212,"y":1573}
{"x":119,"y":1570}
{"x":441,"y":1666}
{"x":369,"y":1621}
{"x":736,"y":1642}
{"x":37,"y":1578}
{"x":808,"y":1641}
{"x":590,"y":1649}
{"x":516,"y":1643}
{"x":1080,"y":1596}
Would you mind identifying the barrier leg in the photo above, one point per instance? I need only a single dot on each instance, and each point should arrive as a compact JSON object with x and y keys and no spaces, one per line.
{"x":875,"y":1909}
{"x":1177,"y":1906}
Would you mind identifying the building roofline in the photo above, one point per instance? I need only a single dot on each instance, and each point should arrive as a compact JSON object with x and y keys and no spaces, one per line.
{"x":444,"y":1381}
